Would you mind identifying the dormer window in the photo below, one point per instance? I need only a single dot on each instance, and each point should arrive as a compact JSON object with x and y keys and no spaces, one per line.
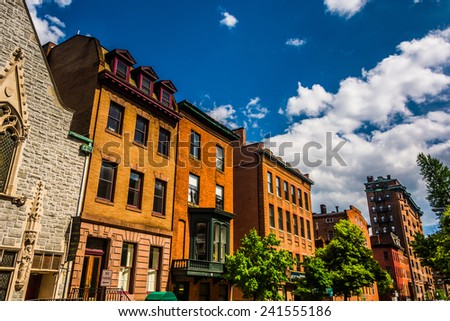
{"x":146,"y":86}
{"x":121,"y":69}
{"x":166,"y":98}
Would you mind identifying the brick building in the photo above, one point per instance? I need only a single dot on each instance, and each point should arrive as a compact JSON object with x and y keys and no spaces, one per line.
{"x":271,"y":196}
{"x":125,"y":227}
{"x":203,"y":210}
{"x":394,"y":215}
{"x":41,"y":166}
{"x":324,"y":223}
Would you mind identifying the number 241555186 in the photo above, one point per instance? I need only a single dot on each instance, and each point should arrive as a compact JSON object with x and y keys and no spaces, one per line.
{"x":296,"y":311}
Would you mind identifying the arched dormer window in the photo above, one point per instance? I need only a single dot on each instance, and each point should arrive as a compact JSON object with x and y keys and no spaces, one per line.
{"x":13,"y":125}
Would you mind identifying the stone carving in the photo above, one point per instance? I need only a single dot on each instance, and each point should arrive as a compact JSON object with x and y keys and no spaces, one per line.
{"x":25,"y":259}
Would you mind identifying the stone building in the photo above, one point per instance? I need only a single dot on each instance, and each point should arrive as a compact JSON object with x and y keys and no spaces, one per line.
{"x":124,"y":238}
{"x":271,"y":196}
{"x":324,"y":223}
{"x":394,"y":215}
{"x":203,"y":213}
{"x":41,"y":166}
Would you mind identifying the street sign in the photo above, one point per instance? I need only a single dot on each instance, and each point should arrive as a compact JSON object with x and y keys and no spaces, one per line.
{"x":106,"y":278}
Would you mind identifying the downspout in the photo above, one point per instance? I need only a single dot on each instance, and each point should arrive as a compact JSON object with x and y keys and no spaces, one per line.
{"x":85,"y":148}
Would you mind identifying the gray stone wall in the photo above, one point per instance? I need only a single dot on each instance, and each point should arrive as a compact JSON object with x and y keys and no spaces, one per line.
{"x":49,"y":155}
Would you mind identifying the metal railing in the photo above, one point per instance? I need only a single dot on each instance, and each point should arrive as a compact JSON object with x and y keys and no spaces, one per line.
{"x":188,"y":264}
{"x":98,"y":294}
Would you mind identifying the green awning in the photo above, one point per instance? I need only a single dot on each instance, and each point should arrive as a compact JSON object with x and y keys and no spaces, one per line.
{"x":161,"y":296}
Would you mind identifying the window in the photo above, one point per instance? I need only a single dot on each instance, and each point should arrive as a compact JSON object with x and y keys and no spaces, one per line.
{"x":308,"y":229}
{"x":391,"y":218}
{"x":7,"y":261}
{"x":302,"y":227}
{"x":269,"y":182}
{"x":146,"y":86}
{"x":219,"y":158}
{"x":389,"y":207}
{"x":385,"y":256}
{"x":164,"y":142}
{"x":154,"y":269}
{"x":288,"y":222}
{"x":135,"y":189}
{"x":200,"y":241}
{"x":306,"y":201}
{"x":278,"y":187}
{"x":195,"y":145}
{"x":286,"y":190}
{"x":126,"y":271}
{"x":141,"y":130}
{"x":293,"y":200}
{"x":280,"y":219}
{"x":166,"y":98}
{"x":271,"y":216}
{"x":372,"y":198}
{"x":329,"y":220}
{"x":330,"y":235}
{"x":121,"y":70}
{"x":220,"y":241}
{"x":219,"y":197}
{"x":159,"y":199}
{"x":299,"y":197}
{"x":115,"y":117}
{"x":107,"y":181}
{"x":393,"y":228}
{"x":193,"y":192}
{"x":295,"y":224}
{"x":374,"y":219}
{"x":374,"y":209}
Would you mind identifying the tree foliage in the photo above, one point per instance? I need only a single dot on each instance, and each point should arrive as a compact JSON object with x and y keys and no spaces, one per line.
{"x":258,"y":267}
{"x":434,"y":249}
{"x":348,"y":262}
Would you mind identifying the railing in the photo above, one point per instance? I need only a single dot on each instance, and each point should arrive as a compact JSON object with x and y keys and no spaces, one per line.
{"x":98,"y":294}
{"x":196,"y":265}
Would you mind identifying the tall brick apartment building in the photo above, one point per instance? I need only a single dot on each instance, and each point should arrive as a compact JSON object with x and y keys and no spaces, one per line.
{"x":41,"y":166}
{"x":395,"y":219}
{"x":324,"y":223}
{"x":125,"y":229}
{"x":203,"y":212}
{"x":271,"y":196}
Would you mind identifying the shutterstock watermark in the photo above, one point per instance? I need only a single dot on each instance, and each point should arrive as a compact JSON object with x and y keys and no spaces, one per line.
{"x":216,"y":154}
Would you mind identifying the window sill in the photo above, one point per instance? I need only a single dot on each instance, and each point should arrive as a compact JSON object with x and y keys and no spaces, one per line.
{"x":104,"y":201}
{"x":163,"y":155}
{"x":109,"y":131}
{"x":221,"y":171}
{"x":133,"y":208}
{"x":160,"y":215}
{"x":139,"y":145}
{"x":194,"y":158}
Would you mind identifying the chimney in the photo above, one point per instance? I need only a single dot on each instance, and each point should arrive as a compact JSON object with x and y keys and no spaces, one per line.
{"x":242,"y":135}
{"x":389,"y":177}
{"x":369,"y":179}
{"x":337,"y":208}
{"x":323,"y":209}
{"x":48,"y":47}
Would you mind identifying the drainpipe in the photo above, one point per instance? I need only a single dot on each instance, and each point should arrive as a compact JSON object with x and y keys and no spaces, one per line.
{"x":85,"y":148}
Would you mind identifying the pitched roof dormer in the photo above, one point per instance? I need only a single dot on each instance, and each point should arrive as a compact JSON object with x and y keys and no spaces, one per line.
{"x":164,"y":90}
{"x":120,"y":61}
{"x":144,"y":77}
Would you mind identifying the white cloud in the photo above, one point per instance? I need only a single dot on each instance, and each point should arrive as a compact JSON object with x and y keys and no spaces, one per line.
{"x":345,"y":8}
{"x":379,"y":98}
{"x":50,"y":27}
{"x":295,"y":42}
{"x":224,"y":114}
{"x":229,"y":20}
{"x":254,"y":109}
{"x":308,"y":101}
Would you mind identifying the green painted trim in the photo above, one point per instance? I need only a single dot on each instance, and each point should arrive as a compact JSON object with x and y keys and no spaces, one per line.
{"x":80,"y":137}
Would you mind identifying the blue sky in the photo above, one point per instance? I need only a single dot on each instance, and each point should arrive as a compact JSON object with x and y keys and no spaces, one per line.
{"x":374,"y":74}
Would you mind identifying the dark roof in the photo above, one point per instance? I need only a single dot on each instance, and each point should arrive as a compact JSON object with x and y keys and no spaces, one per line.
{"x":207,"y":120}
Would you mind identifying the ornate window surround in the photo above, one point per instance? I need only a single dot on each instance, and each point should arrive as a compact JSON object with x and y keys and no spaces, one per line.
{"x":13,"y":120}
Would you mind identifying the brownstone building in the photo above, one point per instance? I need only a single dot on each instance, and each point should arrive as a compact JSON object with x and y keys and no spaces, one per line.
{"x":324,"y":223}
{"x":203,"y":209}
{"x":122,"y":239}
{"x":395,"y":215}
{"x":271,"y":196}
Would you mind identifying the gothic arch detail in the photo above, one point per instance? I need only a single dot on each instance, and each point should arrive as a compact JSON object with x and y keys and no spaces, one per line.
{"x":14,"y":127}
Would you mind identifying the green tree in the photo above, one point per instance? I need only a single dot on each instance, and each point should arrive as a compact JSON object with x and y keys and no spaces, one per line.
{"x":317,"y":279}
{"x":349,"y":262}
{"x":434,"y":249}
{"x":258,"y":267}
